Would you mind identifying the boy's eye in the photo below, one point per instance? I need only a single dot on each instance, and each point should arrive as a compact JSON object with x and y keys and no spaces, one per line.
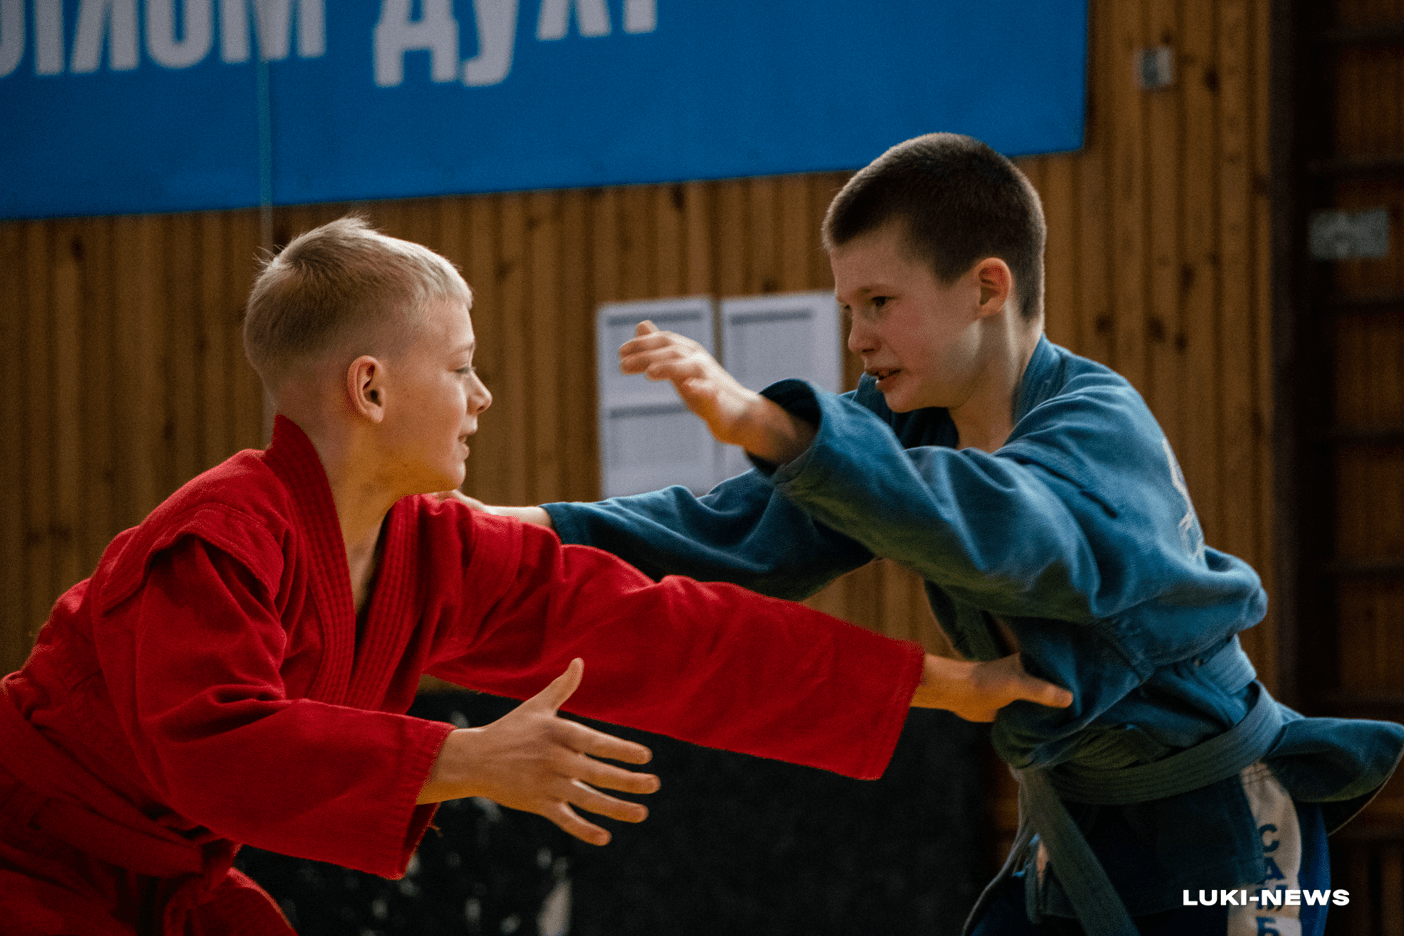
{"x":879,"y":301}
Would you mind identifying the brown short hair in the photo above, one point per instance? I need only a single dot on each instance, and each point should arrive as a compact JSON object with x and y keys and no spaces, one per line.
{"x":959,"y":201}
{"x":343,"y":282}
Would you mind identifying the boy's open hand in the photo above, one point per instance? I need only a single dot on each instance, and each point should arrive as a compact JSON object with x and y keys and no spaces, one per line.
{"x":707,"y":389}
{"x":533,"y":760}
{"x":976,"y":691}
{"x":733,"y":414}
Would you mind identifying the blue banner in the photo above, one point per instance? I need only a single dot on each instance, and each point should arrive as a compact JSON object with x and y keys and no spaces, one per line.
{"x":121,"y":106}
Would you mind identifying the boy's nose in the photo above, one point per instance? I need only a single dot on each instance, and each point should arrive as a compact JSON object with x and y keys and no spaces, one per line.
{"x":482,"y":399}
{"x":860,"y":340}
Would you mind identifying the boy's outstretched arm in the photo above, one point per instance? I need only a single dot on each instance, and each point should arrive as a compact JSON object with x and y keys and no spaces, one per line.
{"x":533,"y":760}
{"x":735,"y":415}
{"x":976,"y":691}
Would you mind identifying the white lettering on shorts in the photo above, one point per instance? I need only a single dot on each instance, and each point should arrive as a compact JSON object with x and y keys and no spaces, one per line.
{"x":1262,"y":914}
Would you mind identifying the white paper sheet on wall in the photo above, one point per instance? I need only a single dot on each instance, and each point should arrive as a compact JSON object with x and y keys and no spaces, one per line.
{"x":770,"y":338}
{"x":648,"y":439}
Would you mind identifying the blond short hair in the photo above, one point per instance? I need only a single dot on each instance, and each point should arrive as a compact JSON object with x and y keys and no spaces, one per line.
{"x":342,"y":286}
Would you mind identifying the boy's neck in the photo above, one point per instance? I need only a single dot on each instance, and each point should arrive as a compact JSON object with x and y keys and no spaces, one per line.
{"x":986,"y":418}
{"x":361,"y":506}
{"x":362,"y":560}
{"x":361,"y":503}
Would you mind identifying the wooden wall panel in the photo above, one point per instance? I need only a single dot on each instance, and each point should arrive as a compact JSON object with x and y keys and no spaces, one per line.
{"x":1369,"y":388}
{"x":15,"y":583}
{"x":1367,"y":363}
{"x":135,"y":378}
{"x":132,"y":377}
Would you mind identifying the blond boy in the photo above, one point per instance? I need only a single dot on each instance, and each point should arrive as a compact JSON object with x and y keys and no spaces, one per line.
{"x":237,"y":668}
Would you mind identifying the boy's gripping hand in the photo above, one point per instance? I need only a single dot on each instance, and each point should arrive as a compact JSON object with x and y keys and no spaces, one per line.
{"x":733,"y":414}
{"x":526,"y":514}
{"x":533,"y":760}
{"x":976,"y":691}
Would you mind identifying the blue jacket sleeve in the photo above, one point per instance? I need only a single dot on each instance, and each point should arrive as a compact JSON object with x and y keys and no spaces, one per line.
{"x":1081,"y":517}
{"x":740,"y":532}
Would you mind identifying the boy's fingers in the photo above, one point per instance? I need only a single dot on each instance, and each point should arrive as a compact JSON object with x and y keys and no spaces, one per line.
{"x":655,"y":342}
{"x":462,"y":498}
{"x":610,"y":777}
{"x":569,"y":820}
{"x":645,"y":327}
{"x":560,"y":689}
{"x":674,"y":369}
{"x":1041,"y":691}
{"x":637,"y":355}
{"x":587,"y":740}
{"x":584,"y":796}
{"x":1052,"y":696}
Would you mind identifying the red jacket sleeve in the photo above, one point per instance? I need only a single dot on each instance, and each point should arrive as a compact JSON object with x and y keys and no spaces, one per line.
{"x":192,"y":661}
{"x":709,"y":663}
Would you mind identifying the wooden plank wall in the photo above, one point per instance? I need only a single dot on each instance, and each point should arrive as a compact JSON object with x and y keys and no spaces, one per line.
{"x":1368,"y":366}
{"x":122,"y":333}
{"x":1363,"y":331}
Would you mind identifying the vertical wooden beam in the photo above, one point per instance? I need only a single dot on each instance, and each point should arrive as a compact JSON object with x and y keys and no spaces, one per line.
{"x":1128,"y":194}
{"x":212,"y":335}
{"x":37,"y":451}
{"x":68,"y":506}
{"x":245,"y":255}
{"x":1098,"y":266}
{"x":183,"y":390}
{"x":1261,"y":209}
{"x":1164,"y":144}
{"x":579,"y":436}
{"x":638,"y":250}
{"x":669,"y":202}
{"x":797,"y":234}
{"x":513,"y":427}
{"x":763,"y":197}
{"x":699,"y":271}
{"x":604,"y":222}
{"x":732,"y":235}
{"x":1061,"y":268}
{"x":822,"y":189}
{"x":1199,"y":280}
{"x":1238,"y":331}
{"x":16,"y":624}
{"x":102,"y":446}
{"x":545,"y":353}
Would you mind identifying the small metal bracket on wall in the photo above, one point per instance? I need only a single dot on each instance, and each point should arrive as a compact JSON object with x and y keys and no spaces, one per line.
{"x":1350,"y":235}
{"x":1155,"y":68}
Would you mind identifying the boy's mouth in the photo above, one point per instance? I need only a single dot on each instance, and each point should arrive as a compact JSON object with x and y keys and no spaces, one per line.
{"x":882,"y":374}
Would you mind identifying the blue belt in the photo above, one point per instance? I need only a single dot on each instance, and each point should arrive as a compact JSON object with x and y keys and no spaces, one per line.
{"x":1042,"y":792}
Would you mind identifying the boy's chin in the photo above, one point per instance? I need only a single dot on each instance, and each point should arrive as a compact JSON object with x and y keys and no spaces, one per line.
{"x":898,"y":402}
{"x":451,"y":481}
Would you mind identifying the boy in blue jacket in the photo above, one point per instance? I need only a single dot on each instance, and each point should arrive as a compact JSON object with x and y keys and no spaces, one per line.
{"x":1040,"y":501}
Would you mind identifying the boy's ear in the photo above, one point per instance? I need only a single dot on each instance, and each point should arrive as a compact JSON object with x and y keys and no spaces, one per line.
{"x":996,"y":284}
{"x":365,"y":387}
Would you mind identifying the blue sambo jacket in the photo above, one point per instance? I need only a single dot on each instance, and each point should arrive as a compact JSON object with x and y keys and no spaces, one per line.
{"x":1080,"y":536}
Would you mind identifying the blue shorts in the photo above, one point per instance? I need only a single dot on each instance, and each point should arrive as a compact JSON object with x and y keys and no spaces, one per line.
{"x":1299,"y":855}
